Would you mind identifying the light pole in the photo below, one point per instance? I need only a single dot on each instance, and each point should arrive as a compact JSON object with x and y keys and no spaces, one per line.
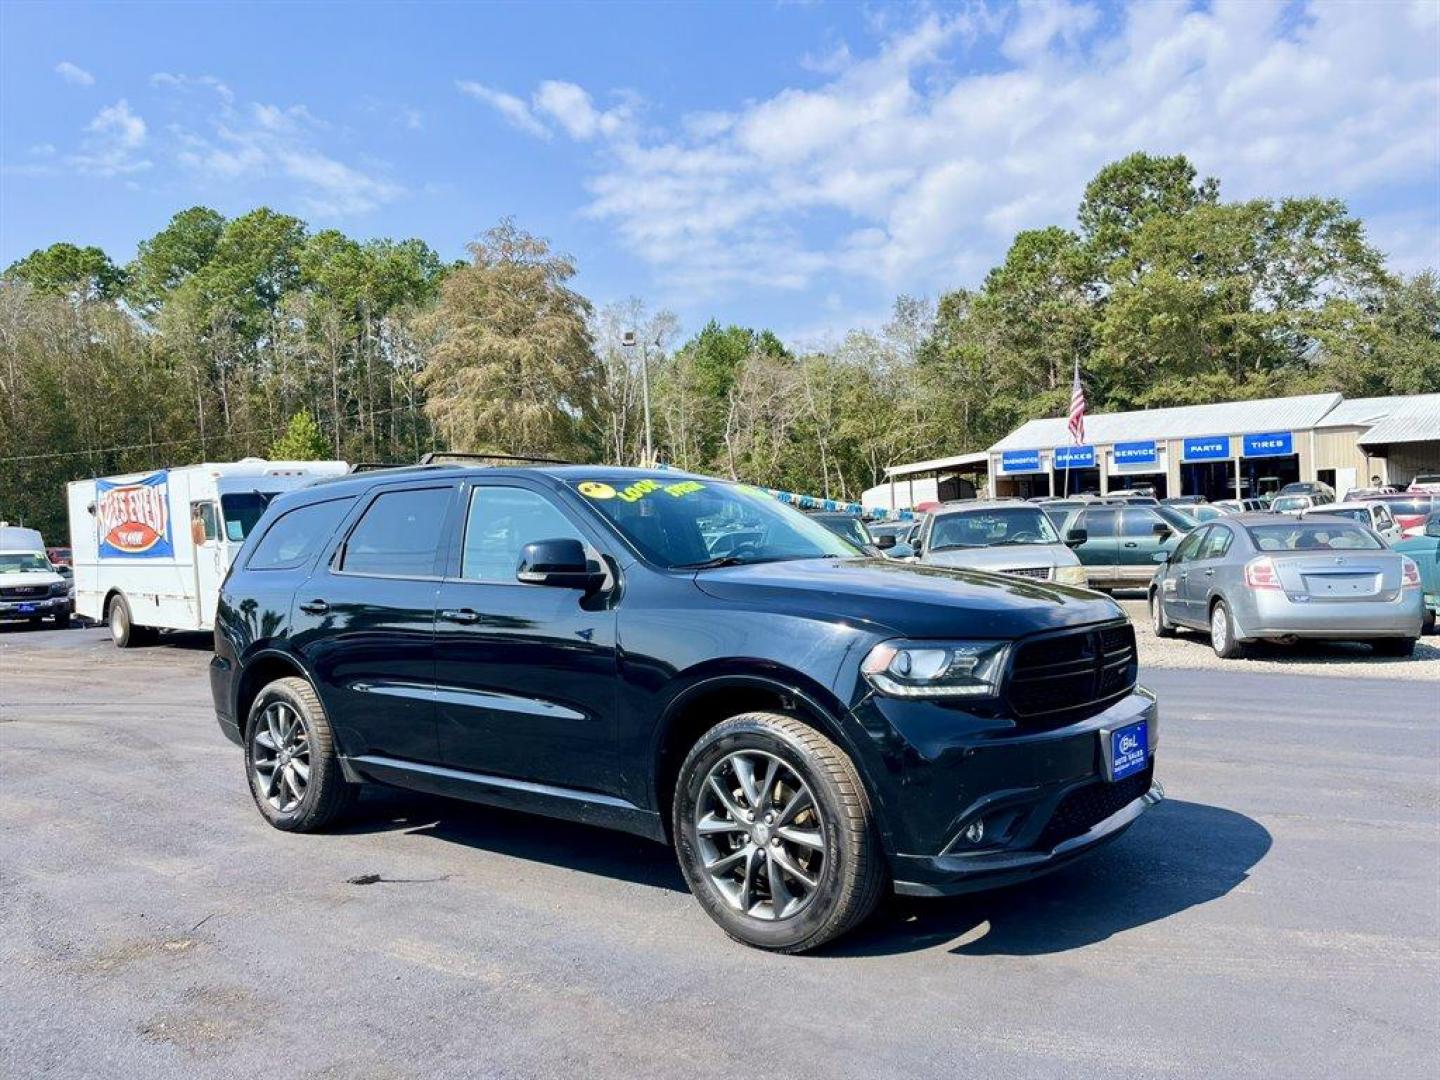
{"x":627,"y":340}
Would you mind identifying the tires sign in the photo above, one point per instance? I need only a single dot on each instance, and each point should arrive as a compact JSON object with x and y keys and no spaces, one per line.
{"x":133,"y":518}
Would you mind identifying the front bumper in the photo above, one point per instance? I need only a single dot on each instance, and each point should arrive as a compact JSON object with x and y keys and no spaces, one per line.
{"x":1043,"y":796}
{"x":32,"y":609}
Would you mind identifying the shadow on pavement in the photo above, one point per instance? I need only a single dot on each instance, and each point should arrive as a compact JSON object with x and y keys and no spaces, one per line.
{"x":1177,"y":856}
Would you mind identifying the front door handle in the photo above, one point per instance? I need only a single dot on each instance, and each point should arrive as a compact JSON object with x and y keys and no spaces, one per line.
{"x":462,"y":615}
{"x":315,"y":607}
{"x":1131,"y":543}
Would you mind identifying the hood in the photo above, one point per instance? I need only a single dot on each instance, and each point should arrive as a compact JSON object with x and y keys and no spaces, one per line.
{"x":29,"y":577}
{"x":908,"y":599}
{"x":1010,"y":557}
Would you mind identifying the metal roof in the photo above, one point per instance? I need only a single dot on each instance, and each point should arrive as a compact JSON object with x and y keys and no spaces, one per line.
{"x":938,"y":464}
{"x":1221,"y":418}
{"x":1362,"y":412}
{"x":1415,"y":419}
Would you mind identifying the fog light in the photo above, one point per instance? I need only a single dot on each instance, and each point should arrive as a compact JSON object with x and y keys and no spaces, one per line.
{"x":975,"y":831}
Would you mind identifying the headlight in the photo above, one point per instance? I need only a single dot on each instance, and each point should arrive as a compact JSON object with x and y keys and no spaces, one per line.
{"x":936,"y":669}
{"x":60,"y":588}
{"x":1071,"y":575}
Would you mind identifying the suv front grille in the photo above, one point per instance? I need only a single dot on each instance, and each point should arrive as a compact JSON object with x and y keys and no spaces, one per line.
{"x":1074,"y":673}
{"x":1039,"y":573}
{"x":1087,"y":806}
{"x":24,"y":592}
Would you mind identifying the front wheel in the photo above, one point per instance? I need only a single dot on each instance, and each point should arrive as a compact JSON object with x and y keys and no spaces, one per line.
{"x":1222,"y":633}
{"x":775,"y":833}
{"x":1158,"y":621}
{"x":292,"y":761}
{"x":123,"y":631}
{"x":62,"y":621}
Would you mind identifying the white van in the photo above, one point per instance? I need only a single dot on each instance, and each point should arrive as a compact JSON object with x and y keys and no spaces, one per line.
{"x":151,"y":549}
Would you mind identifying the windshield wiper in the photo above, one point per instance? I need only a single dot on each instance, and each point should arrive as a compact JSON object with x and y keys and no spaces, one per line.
{"x":711,"y":564}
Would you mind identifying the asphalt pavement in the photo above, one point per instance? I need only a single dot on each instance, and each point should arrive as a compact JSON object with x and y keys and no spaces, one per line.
{"x":1278,"y":915}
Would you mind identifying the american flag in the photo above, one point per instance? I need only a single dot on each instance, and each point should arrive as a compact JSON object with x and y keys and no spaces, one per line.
{"x":1077,"y":408}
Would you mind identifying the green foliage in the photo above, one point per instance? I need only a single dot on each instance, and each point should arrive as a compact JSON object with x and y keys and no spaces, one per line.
{"x":301,"y":441}
{"x":66,"y":270}
{"x":184,"y":247}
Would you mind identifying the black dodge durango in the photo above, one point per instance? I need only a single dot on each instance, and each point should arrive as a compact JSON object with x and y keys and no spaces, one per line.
{"x":690,"y":660}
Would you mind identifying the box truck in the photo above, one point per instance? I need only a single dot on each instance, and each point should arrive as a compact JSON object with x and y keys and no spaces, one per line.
{"x":151,"y":549}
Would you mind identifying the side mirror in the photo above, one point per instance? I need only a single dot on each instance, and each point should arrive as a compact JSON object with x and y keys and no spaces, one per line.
{"x":1432,"y":527}
{"x":885,"y":541}
{"x":1161,"y":530}
{"x":1166,"y":557}
{"x":901,"y":551}
{"x":560,"y":563}
{"x":1075,"y":537}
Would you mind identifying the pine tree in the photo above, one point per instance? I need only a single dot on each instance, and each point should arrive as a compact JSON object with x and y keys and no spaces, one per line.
{"x":302,"y":440}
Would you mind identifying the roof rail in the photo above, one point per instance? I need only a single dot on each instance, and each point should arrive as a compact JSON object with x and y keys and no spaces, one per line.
{"x":443,"y":457}
{"x":371,"y":466}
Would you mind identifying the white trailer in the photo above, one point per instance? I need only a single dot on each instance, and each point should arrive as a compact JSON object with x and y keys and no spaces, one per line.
{"x":151,"y":549}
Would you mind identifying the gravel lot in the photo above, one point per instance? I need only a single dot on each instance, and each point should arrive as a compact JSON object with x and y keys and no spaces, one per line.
{"x":1275,"y":916}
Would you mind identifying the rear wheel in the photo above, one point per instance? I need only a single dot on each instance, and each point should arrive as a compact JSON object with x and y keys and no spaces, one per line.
{"x":1222,"y":633}
{"x":1428,"y":627}
{"x":123,"y":630}
{"x":1158,"y":621}
{"x":1394,"y":646}
{"x":291,"y":759}
{"x":775,"y":833}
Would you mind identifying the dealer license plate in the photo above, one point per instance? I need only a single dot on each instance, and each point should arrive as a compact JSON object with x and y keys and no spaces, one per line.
{"x":1129,"y":747}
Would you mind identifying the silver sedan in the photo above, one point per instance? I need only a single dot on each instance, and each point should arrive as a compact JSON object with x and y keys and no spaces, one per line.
{"x":1251,"y":577}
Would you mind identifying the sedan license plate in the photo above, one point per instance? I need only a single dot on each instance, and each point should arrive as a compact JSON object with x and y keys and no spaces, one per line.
{"x":1129,"y":747}
{"x":1340,"y":584}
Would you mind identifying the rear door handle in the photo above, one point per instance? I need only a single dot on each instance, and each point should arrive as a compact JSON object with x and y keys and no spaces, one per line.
{"x":315,"y":607}
{"x":462,"y":615}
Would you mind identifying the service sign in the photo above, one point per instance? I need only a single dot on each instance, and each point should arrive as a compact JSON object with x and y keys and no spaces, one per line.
{"x":1074,"y":457}
{"x":1020,"y":461}
{"x":1269,"y":444}
{"x":1207,"y":448}
{"x":134,"y":518}
{"x":1136,"y":453}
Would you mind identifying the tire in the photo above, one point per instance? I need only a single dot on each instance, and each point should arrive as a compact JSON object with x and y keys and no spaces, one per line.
{"x":62,"y":622}
{"x":123,"y":631}
{"x":845,"y":877}
{"x":1394,"y":646}
{"x":1428,"y":627}
{"x":1158,"y":622}
{"x":324,"y":795}
{"x":36,"y":621}
{"x":1222,"y":633}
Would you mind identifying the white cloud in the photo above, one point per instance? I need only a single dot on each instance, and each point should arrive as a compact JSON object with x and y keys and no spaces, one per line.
{"x":112,"y":143}
{"x":74,"y":74}
{"x":515,"y":111}
{"x":931,"y":151}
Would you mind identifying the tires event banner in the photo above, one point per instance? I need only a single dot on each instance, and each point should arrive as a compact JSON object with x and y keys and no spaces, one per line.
{"x":134,"y":518}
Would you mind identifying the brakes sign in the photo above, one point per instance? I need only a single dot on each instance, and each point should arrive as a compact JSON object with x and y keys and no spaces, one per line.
{"x":133,"y":518}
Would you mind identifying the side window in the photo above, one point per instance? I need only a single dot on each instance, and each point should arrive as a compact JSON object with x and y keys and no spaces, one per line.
{"x":502,"y":520}
{"x":1099,"y":524}
{"x":398,"y":534}
{"x":1138,"y":523}
{"x":1217,"y":543}
{"x":204,"y":522}
{"x":1383,"y":519}
{"x":296,"y":535}
{"x":1191,"y":544}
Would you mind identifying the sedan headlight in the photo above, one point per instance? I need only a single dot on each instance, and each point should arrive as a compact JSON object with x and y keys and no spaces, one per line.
{"x":1071,"y":575}
{"x":936,"y":669}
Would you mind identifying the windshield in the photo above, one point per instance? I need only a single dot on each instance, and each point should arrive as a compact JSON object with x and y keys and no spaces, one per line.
{"x":1313,"y":535}
{"x":693,"y":523}
{"x":891,"y":528}
{"x":1176,"y":519}
{"x":242,"y":510}
{"x":1355,"y":513}
{"x":993,"y":528}
{"x":20,"y":562}
{"x":1290,"y":502}
{"x":845,"y":526}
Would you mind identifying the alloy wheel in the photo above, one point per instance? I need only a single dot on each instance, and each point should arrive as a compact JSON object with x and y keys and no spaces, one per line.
{"x":280,"y":756}
{"x":1219,"y":628}
{"x":761,"y":837}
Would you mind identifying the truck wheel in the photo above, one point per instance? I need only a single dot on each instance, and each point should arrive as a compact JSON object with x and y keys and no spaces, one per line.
{"x":123,"y":630}
{"x":62,"y":621}
{"x":291,"y":760}
{"x":1222,"y":633}
{"x":1394,"y":646}
{"x":775,"y":833}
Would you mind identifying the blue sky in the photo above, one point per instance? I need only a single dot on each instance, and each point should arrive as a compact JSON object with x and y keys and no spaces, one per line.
{"x":793,"y":165}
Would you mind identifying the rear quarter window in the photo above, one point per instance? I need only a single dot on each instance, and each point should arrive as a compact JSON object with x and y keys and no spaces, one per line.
{"x":296,"y":535}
